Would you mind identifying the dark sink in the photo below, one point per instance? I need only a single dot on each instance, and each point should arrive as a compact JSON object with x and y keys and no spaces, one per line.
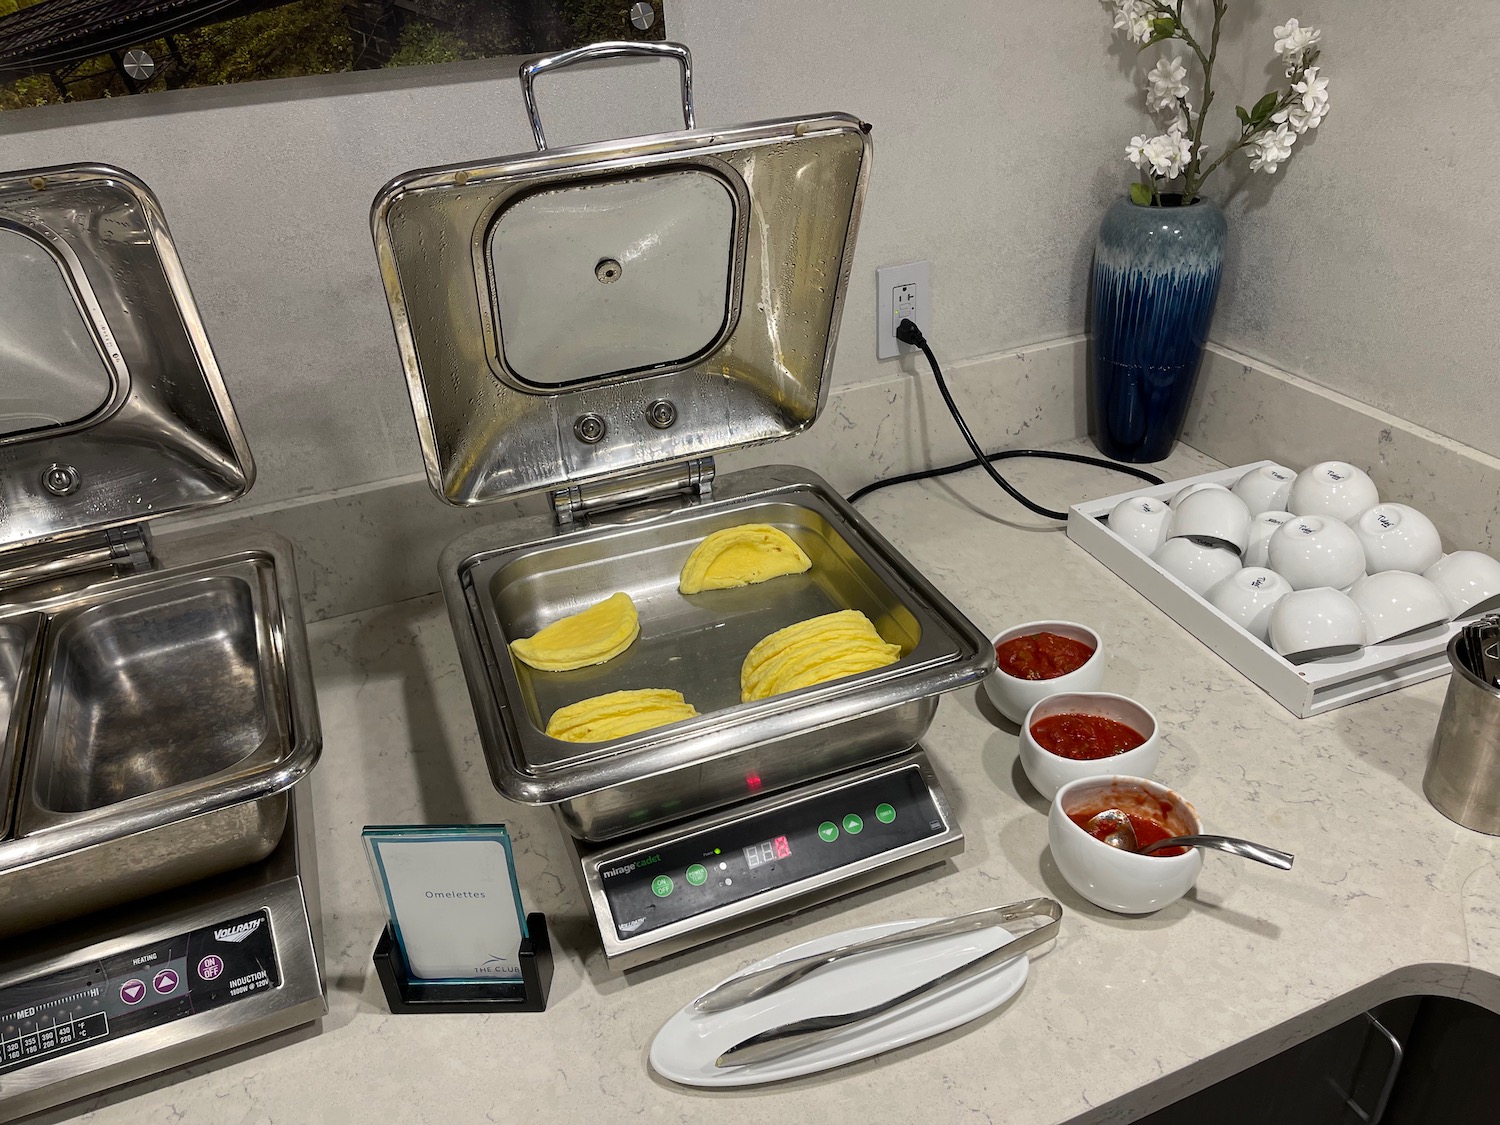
{"x":1419,"y":1060}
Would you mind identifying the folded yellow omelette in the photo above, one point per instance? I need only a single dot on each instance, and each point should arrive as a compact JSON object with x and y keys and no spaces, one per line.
{"x":814,"y":651}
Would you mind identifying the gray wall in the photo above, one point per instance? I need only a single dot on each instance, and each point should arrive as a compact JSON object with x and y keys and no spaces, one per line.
{"x":1370,"y":263}
{"x":998,"y":133}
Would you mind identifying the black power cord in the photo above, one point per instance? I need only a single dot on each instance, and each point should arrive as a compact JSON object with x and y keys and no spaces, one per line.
{"x":908,"y":333}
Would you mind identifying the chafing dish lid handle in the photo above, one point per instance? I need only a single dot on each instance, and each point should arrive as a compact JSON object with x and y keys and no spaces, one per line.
{"x":609,"y":49}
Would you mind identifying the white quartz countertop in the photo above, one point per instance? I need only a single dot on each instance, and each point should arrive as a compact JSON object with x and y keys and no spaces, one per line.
{"x":1387,"y":897}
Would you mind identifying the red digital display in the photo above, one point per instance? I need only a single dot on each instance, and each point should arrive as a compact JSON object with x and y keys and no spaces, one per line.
{"x":767,"y":851}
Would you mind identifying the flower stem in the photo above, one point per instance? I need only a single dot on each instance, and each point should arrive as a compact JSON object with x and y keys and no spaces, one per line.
{"x":1194,"y":179}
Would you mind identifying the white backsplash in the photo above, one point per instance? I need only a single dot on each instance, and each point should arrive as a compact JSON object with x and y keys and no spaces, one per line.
{"x":378,"y":544}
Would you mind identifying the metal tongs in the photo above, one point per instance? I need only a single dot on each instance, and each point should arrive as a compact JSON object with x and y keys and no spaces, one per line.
{"x":1480,"y":648}
{"x":793,"y":1037}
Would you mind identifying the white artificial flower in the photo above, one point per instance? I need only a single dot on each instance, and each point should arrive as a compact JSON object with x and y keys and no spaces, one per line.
{"x":1164,"y":156}
{"x":1311,"y":107}
{"x":1133,"y":17}
{"x":1293,"y":42}
{"x":1180,"y":122}
{"x":1180,"y":150}
{"x":1271,"y":148}
{"x":1314,"y":90}
{"x":1167,"y":83}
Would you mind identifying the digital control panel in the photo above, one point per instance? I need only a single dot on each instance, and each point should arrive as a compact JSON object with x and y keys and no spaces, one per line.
{"x":728,"y":863}
{"x":142,"y":988}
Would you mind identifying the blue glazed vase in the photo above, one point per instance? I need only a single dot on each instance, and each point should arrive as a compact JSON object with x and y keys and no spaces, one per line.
{"x":1156,"y":277}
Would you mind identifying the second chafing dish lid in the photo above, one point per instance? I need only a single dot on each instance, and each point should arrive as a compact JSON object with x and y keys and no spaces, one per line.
{"x":573,"y":314}
{"x":112,"y":409}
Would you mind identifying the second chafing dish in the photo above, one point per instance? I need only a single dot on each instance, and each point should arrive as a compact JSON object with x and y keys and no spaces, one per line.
{"x":157,"y":705}
{"x":599,"y":321}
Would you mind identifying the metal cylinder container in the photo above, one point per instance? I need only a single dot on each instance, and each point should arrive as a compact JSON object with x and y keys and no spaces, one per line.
{"x":1463,"y":769}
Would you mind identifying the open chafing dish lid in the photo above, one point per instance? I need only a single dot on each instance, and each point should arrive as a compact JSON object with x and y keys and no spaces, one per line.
{"x":112,"y":409}
{"x":571,"y":314}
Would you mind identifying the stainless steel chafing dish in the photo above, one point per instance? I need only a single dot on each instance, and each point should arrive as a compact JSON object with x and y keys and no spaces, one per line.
{"x":157,"y":706}
{"x":598,"y":322}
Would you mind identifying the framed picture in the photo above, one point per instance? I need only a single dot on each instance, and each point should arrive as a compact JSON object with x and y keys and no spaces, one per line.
{"x":54,"y":51}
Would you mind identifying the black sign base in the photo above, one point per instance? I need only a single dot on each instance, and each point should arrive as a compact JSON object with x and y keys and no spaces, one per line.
{"x":406,"y":996}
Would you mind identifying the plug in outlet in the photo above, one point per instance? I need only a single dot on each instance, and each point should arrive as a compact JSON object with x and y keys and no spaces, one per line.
{"x":902,"y":292}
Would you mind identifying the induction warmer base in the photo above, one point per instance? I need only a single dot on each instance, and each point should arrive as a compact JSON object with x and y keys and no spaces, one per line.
{"x":685,"y":885}
{"x":95,"y":1003}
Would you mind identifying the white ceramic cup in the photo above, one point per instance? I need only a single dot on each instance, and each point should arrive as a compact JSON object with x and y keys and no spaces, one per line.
{"x":1265,"y":489}
{"x":1013,"y":696}
{"x":1142,"y":521}
{"x":1247,"y":597}
{"x":1396,"y":602}
{"x":1313,"y":551}
{"x":1311,"y":624}
{"x":1183,"y":493}
{"x":1197,"y":566}
{"x":1332,"y":488}
{"x":1257,"y":549}
{"x":1117,"y":880}
{"x":1469,"y":581}
{"x":1397,"y":537}
{"x":1048,"y":772}
{"x":1212,"y":515}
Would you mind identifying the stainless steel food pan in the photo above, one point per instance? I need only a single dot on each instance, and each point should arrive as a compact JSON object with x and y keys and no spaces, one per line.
{"x":18,"y":654}
{"x":506,"y":582}
{"x":173,"y":711}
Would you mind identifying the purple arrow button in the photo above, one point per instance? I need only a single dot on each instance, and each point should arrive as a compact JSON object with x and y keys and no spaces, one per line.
{"x":164,"y":981}
{"x":133,"y":991}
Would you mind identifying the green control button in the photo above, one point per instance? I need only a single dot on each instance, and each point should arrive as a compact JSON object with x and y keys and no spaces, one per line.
{"x":661,"y":886}
{"x":828,"y":832}
{"x":697,"y":875}
{"x":885,"y":814}
{"x":853,"y":825}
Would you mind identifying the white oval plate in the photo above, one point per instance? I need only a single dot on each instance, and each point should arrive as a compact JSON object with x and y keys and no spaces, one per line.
{"x":687,"y":1045}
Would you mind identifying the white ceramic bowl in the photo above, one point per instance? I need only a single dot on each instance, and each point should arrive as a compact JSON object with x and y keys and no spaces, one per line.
{"x":1142,"y":521}
{"x":1311,"y":624}
{"x":1332,"y":488}
{"x":1116,"y":880}
{"x":1397,"y":537}
{"x":1469,"y":581}
{"x":1247,"y":597}
{"x":1265,"y":489}
{"x":1183,"y":493}
{"x":1013,"y":697}
{"x":1197,"y":566}
{"x":1395,"y":603}
{"x":1212,"y":515}
{"x":1313,"y":551}
{"x":1257,"y":549}
{"x":1048,"y":772}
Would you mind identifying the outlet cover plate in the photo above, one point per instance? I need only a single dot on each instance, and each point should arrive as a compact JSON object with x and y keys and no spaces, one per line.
{"x":888,"y":279}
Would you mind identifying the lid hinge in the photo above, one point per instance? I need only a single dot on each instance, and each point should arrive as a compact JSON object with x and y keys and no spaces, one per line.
{"x":694,"y":479}
{"x":120,"y":551}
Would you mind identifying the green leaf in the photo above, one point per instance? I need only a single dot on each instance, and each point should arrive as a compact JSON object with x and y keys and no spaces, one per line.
{"x":1243,"y":116}
{"x":1264,"y":107}
{"x":1140,"y":194}
{"x":1161,"y":29}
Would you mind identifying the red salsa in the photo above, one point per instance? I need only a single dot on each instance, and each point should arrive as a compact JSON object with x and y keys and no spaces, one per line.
{"x":1148,"y":829}
{"x":1041,"y":656}
{"x":1085,"y":738}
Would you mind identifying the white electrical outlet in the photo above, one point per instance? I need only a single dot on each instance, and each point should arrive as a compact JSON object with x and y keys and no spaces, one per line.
{"x":902,"y":292}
